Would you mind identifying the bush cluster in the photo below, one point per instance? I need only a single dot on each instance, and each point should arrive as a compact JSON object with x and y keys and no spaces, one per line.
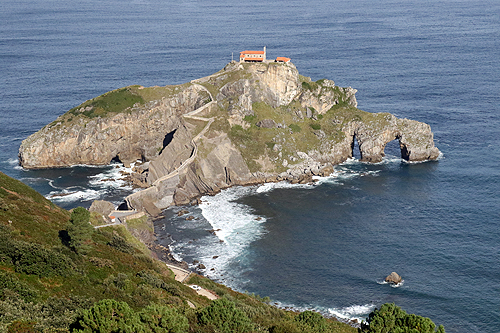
{"x":121,"y":244}
{"x":80,"y":230}
{"x":31,"y":258}
{"x":391,"y":318}
{"x":155,"y":281}
{"x":109,"y":315}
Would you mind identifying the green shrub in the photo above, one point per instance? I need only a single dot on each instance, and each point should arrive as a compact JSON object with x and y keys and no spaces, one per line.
{"x":250,"y":119}
{"x":121,"y":244}
{"x":311,"y":86}
{"x":157,"y":318}
{"x":223,"y":316}
{"x":156,"y":282}
{"x":20,"y":326}
{"x":79,"y":230}
{"x":55,"y":315}
{"x":287,"y":327}
{"x":391,"y":318}
{"x":31,"y":258}
{"x":295,"y":128}
{"x":315,"y":126}
{"x":9,"y":281}
{"x":313,"y":320}
{"x":108,"y":315}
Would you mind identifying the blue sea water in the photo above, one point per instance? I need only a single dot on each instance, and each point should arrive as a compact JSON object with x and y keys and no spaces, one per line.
{"x":328,"y":246}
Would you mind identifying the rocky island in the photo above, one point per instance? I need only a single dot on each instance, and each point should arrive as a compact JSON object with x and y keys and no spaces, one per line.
{"x":248,"y":123}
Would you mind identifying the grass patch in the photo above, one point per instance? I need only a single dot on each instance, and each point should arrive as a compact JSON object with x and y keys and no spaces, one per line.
{"x":157,"y":93}
{"x":295,"y":128}
{"x":111,"y":102}
{"x":123,"y":232}
{"x":96,"y":219}
{"x":140,"y":223}
{"x":311,"y":86}
{"x":250,"y":119}
{"x":315,"y":126}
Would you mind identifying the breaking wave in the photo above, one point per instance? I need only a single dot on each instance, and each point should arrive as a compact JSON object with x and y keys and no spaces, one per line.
{"x":235,"y":225}
{"x":354,"y":314}
{"x":97,"y":187}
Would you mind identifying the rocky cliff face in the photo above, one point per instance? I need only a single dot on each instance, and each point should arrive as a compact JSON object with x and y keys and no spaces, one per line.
{"x":248,"y":123}
{"x":136,"y":133}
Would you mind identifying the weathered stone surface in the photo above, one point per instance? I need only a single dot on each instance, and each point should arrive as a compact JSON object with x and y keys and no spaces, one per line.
{"x":393,"y":278}
{"x":415,"y":138}
{"x":102,"y":207}
{"x":266,"y":123}
{"x":129,"y":136}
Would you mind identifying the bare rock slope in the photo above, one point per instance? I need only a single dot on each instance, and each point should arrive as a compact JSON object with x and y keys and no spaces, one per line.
{"x":248,"y":123}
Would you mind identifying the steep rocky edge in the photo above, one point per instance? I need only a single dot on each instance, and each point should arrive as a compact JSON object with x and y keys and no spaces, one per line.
{"x":246,"y":124}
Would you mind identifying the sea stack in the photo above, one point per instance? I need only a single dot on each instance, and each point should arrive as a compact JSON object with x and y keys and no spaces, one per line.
{"x":393,"y":278}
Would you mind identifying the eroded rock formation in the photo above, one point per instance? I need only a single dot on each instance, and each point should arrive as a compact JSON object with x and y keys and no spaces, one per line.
{"x":246,"y":124}
{"x":393,"y":278}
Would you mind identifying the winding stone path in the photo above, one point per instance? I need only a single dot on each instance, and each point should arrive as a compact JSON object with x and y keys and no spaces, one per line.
{"x":193,"y":141}
{"x":191,"y":158}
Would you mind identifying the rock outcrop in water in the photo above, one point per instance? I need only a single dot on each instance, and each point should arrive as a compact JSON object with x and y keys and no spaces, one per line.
{"x":393,"y":278}
{"x":246,"y":124}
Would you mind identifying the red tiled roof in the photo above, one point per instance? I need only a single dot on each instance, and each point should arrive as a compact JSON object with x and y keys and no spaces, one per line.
{"x":252,"y":52}
{"x":284,"y":59}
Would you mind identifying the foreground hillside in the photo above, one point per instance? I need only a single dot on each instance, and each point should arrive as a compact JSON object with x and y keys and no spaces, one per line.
{"x":109,"y":283}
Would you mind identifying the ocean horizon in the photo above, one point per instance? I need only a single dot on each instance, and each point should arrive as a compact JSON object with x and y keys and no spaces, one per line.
{"x":325,"y":246}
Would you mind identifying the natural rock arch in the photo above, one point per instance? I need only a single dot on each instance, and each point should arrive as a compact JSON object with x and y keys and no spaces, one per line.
{"x":393,"y":148}
{"x":415,"y":139}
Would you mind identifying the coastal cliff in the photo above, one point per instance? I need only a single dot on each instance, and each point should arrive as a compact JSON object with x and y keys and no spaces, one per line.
{"x":246,"y":124}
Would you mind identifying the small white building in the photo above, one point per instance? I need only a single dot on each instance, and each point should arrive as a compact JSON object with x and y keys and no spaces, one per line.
{"x":253,"y":56}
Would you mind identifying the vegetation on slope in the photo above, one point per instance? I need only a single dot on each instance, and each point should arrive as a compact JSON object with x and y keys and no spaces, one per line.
{"x":56,"y":275}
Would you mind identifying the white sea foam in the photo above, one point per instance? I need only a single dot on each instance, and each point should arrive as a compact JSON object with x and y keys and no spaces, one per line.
{"x":235,"y":226}
{"x":69,"y":195}
{"x":440,"y":157}
{"x":99,"y":185}
{"x":397,"y":285}
{"x":353,"y":313}
{"x":267,"y":187}
{"x":13,"y":161}
{"x":112,"y":178}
